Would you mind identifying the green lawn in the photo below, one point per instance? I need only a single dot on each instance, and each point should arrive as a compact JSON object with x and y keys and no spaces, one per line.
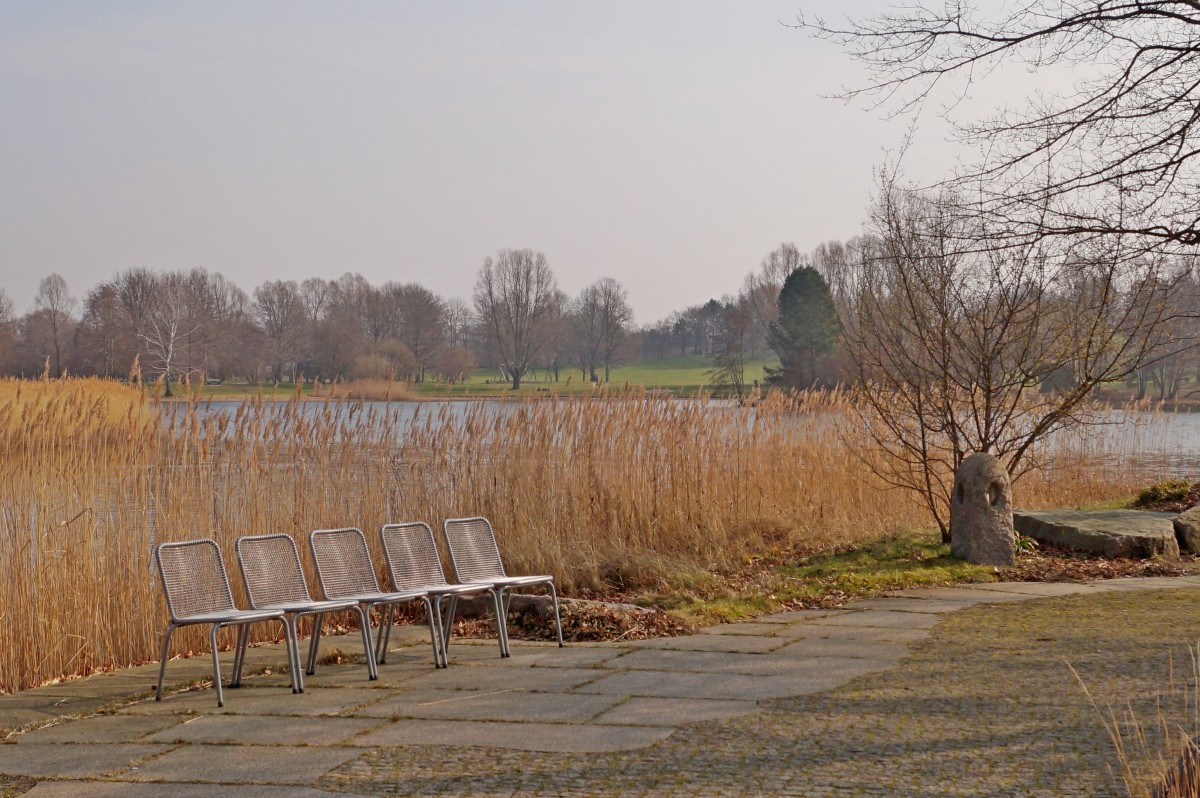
{"x":682,"y":376}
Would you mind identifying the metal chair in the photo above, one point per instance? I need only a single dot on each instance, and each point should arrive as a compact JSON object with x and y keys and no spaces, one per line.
{"x":414,"y":563}
{"x":274,"y":577}
{"x":476,"y":560}
{"x":197,"y":590}
{"x":345,"y":571}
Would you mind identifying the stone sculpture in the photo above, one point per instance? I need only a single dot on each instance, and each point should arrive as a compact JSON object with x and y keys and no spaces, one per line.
{"x":981,"y":519}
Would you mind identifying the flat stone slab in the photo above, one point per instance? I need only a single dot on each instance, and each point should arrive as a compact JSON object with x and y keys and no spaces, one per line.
{"x":100,"y":729}
{"x":1108,"y":533}
{"x":241,"y":764}
{"x":264,"y":730}
{"x":41,"y":760}
{"x":884,"y":619}
{"x":733,"y":644}
{"x":733,"y":686}
{"x":674,"y":711}
{"x":505,"y":675}
{"x":549,"y":737}
{"x":263,"y":701}
{"x":716,"y":662}
{"x":126,"y":789}
{"x":505,"y":705}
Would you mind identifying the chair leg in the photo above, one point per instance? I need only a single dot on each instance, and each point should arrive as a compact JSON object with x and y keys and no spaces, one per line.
{"x":293,"y":649}
{"x":293,"y":652}
{"x":313,"y":642}
{"x":368,"y":649}
{"x":212,"y":639}
{"x":500,"y":600}
{"x":380,"y":650}
{"x":239,"y":654}
{"x":386,"y":629}
{"x":446,"y":627}
{"x":434,"y":634}
{"x":557,"y":617}
{"x":162,"y":668}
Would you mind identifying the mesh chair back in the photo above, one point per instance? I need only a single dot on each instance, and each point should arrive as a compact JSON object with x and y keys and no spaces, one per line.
{"x":412,"y":555}
{"x":343,"y":562}
{"x":194,"y":579}
{"x":271,"y":569}
{"x":473,"y":549}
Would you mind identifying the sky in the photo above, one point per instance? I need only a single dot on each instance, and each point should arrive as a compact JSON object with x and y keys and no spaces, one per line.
{"x":670,"y":145}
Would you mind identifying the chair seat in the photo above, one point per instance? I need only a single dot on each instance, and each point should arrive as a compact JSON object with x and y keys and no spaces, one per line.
{"x":375,"y":598}
{"x":516,"y":581}
{"x":230,"y":616}
{"x":308,"y":607}
{"x":465,"y":589}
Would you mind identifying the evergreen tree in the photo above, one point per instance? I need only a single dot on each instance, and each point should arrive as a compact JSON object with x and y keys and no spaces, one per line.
{"x":805,"y":333}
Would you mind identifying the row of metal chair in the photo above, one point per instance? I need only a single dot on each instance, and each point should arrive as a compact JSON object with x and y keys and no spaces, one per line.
{"x":198,"y":592}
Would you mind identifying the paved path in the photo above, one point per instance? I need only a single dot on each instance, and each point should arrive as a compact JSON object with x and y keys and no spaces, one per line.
{"x":668,"y":714}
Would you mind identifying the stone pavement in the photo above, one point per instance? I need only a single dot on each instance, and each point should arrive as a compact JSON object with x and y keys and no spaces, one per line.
{"x":743,"y":708}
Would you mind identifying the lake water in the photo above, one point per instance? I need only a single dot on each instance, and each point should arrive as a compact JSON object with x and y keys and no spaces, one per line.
{"x":1153,"y":443}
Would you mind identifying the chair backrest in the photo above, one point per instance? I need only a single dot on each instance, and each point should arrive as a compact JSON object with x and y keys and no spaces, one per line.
{"x":473,"y":549}
{"x":412,"y":555}
{"x":272,"y":572}
{"x":343,"y":562}
{"x":193,"y":578}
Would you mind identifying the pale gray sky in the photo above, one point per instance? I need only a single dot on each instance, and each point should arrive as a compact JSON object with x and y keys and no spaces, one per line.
{"x":667,"y":144}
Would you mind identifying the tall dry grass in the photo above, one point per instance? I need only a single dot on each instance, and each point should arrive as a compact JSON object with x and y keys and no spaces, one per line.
{"x":627,"y":491}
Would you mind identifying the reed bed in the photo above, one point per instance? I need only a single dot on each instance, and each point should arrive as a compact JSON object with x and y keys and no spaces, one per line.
{"x":625,"y":492}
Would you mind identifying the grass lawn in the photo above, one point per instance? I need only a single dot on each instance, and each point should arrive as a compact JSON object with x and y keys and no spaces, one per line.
{"x":682,"y":376}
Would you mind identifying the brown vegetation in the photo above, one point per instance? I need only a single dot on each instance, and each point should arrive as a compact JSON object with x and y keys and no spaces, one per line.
{"x":628,"y":493}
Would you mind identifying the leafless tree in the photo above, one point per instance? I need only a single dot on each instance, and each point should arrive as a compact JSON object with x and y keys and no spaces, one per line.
{"x":421,"y":326}
{"x":960,"y":352}
{"x":281,"y":315}
{"x":56,"y":304}
{"x":8,"y":331}
{"x":729,"y":350}
{"x":459,"y":320}
{"x":1114,"y":155}
{"x":602,"y":319}
{"x":514,"y":295}
{"x":166,"y":324}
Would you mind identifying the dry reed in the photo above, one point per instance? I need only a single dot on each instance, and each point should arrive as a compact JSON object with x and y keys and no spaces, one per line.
{"x":626,"y":491}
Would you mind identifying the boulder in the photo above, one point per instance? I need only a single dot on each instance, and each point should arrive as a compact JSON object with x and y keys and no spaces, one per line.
{"x":1187,"y":530}
{"x":1108,"y":533}
{"x":981,"y":521}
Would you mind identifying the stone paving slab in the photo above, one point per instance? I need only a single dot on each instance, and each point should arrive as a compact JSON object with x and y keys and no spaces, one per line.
{"x":89,"y":760}
{"x":841,"y":647}
{"x":714,"y":662}
{"x":256,"y":700}
{"x":674,"y":711}
{"x":99,"y":729}
{"x":506,"y":705}
{"x":548,"y":737}
{"x":504,"y":676}
{"x":906,"y":604}
{"x":885,"y":619}
{"x":125,"y":789}
{"x":734,"y":644}
{"x":881,"y":634}
{"x":263,"y":730}
{"x":736,"y":686}
{"x":240,"y":764}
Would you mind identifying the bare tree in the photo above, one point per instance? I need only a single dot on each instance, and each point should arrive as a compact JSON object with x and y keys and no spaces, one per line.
{"x":729,"y":350}
{"x":962,"y":352}
{"x":281,"y":315}
{"x":56,"y":304}
{"x":422,"y":325}
{"x":514,"y":295}
{"x":165,"y":326}
{"x":602,"y":319}
{"x":1114,"y":155}
{"x":8,"y":331}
